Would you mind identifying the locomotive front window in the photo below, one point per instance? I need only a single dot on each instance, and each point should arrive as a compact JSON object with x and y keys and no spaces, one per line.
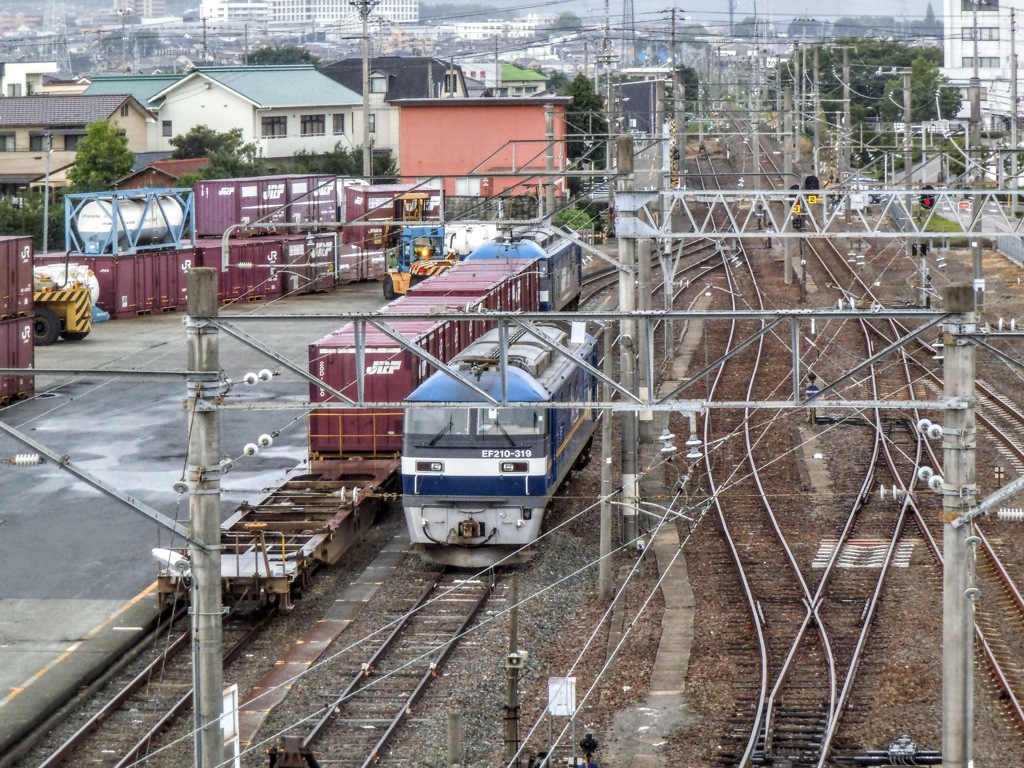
{"x":510,"y":421}
{"x":437,"y":423}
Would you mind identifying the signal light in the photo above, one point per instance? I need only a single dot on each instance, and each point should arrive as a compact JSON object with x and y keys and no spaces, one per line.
{"x":928,"y":198}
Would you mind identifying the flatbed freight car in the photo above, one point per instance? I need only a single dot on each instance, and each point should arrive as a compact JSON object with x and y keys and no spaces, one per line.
{"x":271,"y":548}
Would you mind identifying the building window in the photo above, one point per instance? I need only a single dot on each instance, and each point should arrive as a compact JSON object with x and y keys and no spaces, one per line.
{"x":970,"y":6}
{"x":167,"y":130}
{"x":378,"y":85}
{"x":450,"y":82}
{"x":71,"y":142}
{"x":467,"y":186}
{"x":984,"y":62}
{"x":339,"y":124}
{"x":124,"y":109}
{"x":14,"y":89}
{"x":275,"y":127}
{"x":36,"y":142}
{"x":6,"y":142}
{"x":312,"y":125}
{"x":984,"y":33}
{"x":373,"y":123}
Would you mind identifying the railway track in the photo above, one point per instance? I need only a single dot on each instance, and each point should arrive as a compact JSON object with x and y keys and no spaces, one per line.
{"x":794,"y":714}
{"x":373,"y":691}
{"x":123,"y":726}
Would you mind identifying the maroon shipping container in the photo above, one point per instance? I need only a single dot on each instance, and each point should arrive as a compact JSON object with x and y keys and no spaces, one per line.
{"x":356,"y":264}
{"x":17,"y":350}
{"x":15,"y":276}
{"x":508,"y":285}
{"x":254,"y":267}
{"x":311,"y":199}
{"x":311,"y":264}
{"x":391,"y":372}
{"x":374,"y":204}
{"x":221,"y":203}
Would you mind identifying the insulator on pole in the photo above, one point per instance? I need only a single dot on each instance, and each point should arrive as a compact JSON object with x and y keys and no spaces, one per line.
{"x":1011,"y":515}
{"x":26,"y":460}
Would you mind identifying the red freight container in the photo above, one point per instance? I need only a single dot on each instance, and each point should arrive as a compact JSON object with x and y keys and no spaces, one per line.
{"x":356,"y":264}
{"x":254,"y":267}
{"x":221,"y":203}
{"x":16,"y":351}
{"x":376,"y":203}
{"x":311,"y":264}
{"x":15,"y":276}
{"x":390,"y":374}
{"x":508,"y":285}
{"x":311,"y":199}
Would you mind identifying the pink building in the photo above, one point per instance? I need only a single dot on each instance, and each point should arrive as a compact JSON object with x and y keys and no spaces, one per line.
{"x":483,"y":146}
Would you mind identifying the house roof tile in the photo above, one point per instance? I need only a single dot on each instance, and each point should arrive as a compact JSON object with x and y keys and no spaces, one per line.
{"x":61,"y":111}
{"x":409,"y":77}
{"x":277,"y":86}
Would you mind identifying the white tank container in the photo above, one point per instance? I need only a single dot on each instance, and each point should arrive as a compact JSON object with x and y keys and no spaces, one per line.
{"x":133,"y":221}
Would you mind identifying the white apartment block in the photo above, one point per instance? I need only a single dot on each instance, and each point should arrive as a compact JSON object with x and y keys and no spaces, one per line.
{"x":334,"y":15}
{"x":235,"y":10}
{"x":982,"y":30}
{"x":523,"y":28}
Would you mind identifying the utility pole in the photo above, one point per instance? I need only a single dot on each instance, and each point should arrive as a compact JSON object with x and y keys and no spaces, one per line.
{"x":204,"y":385}
{"x":787,"y":172}
{"x":365,"y":8}
{"x":549,"y":159}
{"x":48,"y":138}
{"x":798,"y":96}
{"x":908,"y":170}
{"x":844,"y":163}
{"x":816,"y":125}
{"x":604,"y":569}
{"x":1013,"y":108}
{"x":512,"y":667}
{"x":974,"y":94}
{"x":627,"y":347}
{"x":959,"y":495}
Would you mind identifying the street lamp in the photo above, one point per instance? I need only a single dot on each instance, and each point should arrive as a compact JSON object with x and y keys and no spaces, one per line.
{"x":46,"y":192}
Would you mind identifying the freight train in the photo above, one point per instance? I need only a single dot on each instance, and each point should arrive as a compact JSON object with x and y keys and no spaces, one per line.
{"x":519,"y":275}
{"x":477,"y":478}
{"x":272,"y":546}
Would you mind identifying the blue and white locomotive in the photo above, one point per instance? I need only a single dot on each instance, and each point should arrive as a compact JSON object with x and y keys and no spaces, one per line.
{"x":477,"y":478}
{"x":560,"y":262}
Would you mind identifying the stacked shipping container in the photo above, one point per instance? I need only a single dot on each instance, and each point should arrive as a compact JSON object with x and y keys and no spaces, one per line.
{"x":390,"y":370}
{"x":17,"y":349}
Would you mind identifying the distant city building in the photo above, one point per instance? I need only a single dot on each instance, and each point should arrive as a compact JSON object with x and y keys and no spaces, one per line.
{"x":334,"y":15}
{"x":991,"y":21}
{"x":147,"y":9}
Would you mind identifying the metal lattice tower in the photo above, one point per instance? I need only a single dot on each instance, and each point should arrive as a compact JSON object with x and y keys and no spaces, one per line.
{"x":628,"y":34}
{"x":55,"y":23}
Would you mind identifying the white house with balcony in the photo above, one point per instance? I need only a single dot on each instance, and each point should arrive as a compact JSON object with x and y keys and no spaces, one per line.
{"x":282,"y":109}
{"x":24,"y":78}
{"x":978,"y":35}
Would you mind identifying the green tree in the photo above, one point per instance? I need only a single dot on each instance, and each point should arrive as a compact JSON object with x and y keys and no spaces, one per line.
{"x":102,"y":158}
{"x":202,"y":141}
{"x":928,"y":92}
{"x":230,"y":157}
{"x":281,"y":54}
{"x":567,"y":22}
{"x":868,"y":87}
{"x":346,"y":162}
{"x":586,"y":129}
{"x":26,"y":218}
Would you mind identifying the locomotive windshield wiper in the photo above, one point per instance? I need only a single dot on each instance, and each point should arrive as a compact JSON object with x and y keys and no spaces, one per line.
{"x":444,"y":431}
{"x":505,"y":433}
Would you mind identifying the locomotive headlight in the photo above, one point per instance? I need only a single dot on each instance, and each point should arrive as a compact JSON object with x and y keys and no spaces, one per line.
{"x":514,"y":466}
{"x":430,"y":466}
